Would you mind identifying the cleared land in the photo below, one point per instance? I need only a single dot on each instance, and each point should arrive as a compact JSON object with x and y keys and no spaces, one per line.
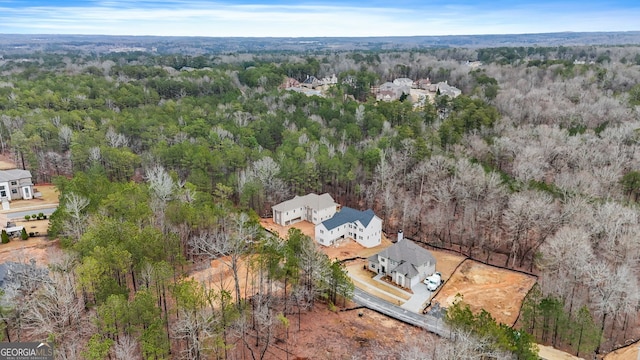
{"x":446,"y":262}
{"x":631,"y":352}
{"x":307,"y":228}
{"x":323,"y":334}
{"x":549,"y":353}
{"x":40,"y":249}
{"x":498,"y":291}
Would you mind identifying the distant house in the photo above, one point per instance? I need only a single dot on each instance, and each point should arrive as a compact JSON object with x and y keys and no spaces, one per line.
{"x":311,"y":82}
{"x":313,"y":208}
{"x":15,"y":184}
{"x":403,"y":82}
{"x":329,"y":80}
{"x":362,"y":226}
{"x":405,"y":262}
{"x":445,"y":89}
{"x":422,"y":84}
{"x":289,"y":83}
{"x":386,"y":95}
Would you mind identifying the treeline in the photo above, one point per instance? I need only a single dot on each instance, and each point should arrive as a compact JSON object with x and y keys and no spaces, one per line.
{"x":547,"y":320}
{"x":123,"y":289}
{"x":535,"y":159}
{"x":494,"y":340}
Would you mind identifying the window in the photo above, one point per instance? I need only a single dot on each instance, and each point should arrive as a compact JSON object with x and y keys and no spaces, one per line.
{"x":3,"y":193}
{"x":14,"y":191}
{"x":1,"y":187}
{"x":321,"y":231}
{"x":14,"y":183}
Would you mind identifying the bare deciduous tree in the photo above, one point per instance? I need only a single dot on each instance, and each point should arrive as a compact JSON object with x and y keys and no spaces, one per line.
{"x":74,"y":206}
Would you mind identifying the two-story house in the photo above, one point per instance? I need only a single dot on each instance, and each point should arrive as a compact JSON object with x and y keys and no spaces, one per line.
{"x":15,"y":184}
{"x":313,"y":208}
{"x":405,"y":262}
{"x":362,"y":226}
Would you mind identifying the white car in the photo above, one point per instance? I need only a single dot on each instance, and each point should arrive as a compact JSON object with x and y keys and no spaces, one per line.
{"x":433,"y":281}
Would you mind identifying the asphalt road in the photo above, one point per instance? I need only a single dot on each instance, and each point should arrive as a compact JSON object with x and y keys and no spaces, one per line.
{"x":20,"y":214}
{"x":427,"y":322}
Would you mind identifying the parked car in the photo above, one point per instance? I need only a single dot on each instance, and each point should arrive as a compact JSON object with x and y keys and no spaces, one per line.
{"x":433,"y":281}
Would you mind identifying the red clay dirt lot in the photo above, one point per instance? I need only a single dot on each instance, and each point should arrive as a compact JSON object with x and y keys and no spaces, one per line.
{"x":346,"y":335}
{"x":40,"y":249}
{"x":446,"y":262}
{"x":631,"y":352}
{"x":324,"y":334}
{"x":498,"y":291}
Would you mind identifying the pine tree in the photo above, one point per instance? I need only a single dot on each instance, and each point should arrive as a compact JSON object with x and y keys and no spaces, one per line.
{"x":5,"y":237}
{"x":24,"y":234}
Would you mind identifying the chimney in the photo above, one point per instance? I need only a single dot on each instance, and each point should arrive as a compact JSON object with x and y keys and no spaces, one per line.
{"x":400,"y":235}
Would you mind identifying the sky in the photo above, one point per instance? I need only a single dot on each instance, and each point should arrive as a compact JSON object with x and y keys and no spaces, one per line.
{"x":319,"y":18}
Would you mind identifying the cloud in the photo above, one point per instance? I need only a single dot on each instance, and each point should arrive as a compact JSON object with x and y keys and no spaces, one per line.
{"x":204,"y":18}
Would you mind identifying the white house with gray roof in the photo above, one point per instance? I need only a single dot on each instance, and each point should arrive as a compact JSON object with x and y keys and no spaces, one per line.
{"x":15,"y":184}
{"x":362,"y":226}
{"x":313,"y":208}
{"x":406,"y":262}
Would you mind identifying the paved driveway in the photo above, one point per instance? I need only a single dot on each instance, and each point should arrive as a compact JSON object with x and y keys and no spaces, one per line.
{"x":427,"y":322}
{"x":419,"y":299}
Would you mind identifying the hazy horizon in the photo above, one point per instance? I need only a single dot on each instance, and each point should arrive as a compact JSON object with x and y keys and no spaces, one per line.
{"x":326,"y":18}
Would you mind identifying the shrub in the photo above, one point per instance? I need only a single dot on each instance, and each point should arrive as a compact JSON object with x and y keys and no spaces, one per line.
{"x":34,"y":216}
{"x":5,"y":236}
{"x":24,"y":234}
{"x":40,"y":215}
{"x":27,"y":217}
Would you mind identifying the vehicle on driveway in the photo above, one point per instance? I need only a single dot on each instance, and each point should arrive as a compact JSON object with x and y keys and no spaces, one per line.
{"x":433,"y":281}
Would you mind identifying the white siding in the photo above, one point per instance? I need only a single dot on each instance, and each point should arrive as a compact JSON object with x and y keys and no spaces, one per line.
{"x":324,"y":214}
{"x":371,"y":235}
{"x":5,"y":191}
{"x":322,"y":235}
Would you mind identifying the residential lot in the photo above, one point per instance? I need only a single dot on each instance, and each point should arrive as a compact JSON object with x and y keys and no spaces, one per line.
{"x":499,"y":291}
{"x":307,"y":228}
{"x":631,"y":352}
{"x":40,"y":249}
{"x":446,"y":262}
{"x":550,"y":353}
{"x":363,"y":279}
{"x":496,"y":290}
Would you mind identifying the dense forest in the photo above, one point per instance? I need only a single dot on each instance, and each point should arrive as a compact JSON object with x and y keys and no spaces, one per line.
{"x":164,"y":162}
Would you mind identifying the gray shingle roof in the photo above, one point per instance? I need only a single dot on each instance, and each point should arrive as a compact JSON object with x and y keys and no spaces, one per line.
{"x":349,"y":215}
{"x":406,"y":269}
{"x":314,"y":201}
{"x":406,"y":251}
{"x":14,"y":175}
